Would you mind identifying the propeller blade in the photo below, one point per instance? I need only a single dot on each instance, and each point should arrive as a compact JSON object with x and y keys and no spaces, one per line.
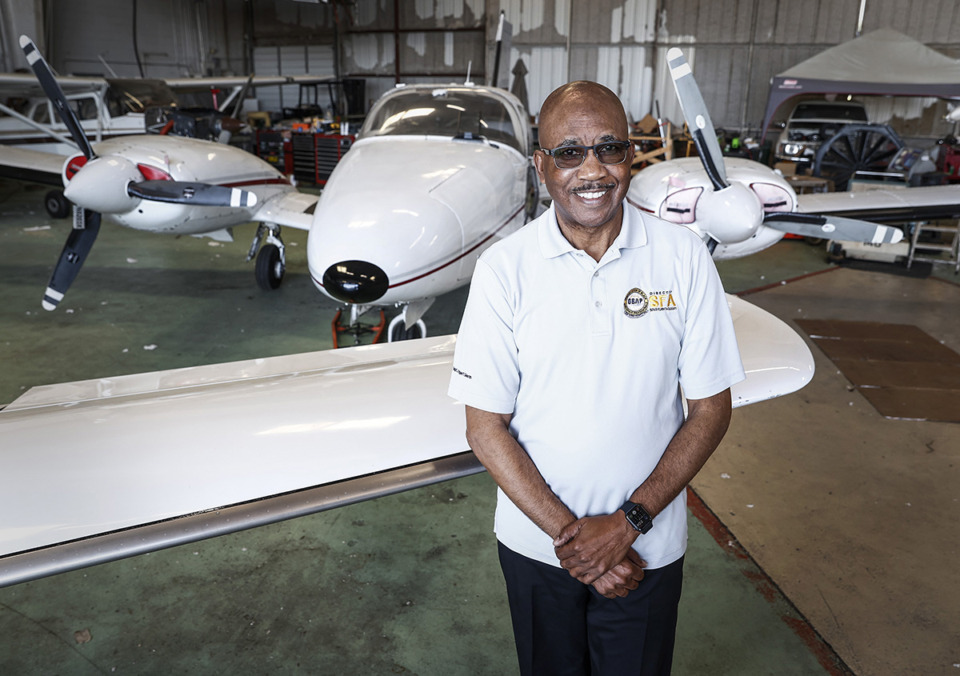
{"x":697,"y":117}
{"x":833,"y":227}
{"x":199,"y":194}
{"x":52,"y":89}
{"x":85,"y":229}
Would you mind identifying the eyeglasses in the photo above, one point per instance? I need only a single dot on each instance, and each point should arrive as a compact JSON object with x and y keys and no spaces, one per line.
{"x":571,"y":157}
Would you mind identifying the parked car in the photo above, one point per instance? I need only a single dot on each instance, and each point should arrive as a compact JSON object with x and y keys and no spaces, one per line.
{"x":813,"y":122}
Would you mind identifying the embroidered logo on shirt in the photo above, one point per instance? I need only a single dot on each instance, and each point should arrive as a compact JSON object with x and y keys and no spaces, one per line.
{"x":638,"y":302}
{"x":461,"y":373}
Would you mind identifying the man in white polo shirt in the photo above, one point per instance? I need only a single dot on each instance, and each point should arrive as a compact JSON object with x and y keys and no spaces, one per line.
{"x":579,"y":332}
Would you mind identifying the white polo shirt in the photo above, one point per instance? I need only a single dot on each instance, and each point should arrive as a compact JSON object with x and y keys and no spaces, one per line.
{"x":589,"y":359}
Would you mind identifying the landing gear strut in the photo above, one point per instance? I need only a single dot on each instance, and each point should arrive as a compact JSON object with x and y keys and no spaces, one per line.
{"x":271,"y":261}
{"x":396,"y":331}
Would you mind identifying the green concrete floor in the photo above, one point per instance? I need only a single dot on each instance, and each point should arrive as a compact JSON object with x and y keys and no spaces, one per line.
{"x":402,"y":584}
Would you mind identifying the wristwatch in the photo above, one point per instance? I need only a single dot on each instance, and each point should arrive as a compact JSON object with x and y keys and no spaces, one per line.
{"x":637,"y":516}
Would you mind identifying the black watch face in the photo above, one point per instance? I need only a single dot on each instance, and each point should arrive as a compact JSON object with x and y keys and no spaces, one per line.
{"x":639,"y":519}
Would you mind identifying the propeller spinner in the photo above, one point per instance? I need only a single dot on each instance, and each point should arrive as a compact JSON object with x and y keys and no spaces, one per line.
{"x":733,"y":212}
{"x":108,"y":185}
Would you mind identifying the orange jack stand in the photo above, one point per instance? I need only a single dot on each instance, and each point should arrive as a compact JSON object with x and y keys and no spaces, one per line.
{"x":357,"y":329}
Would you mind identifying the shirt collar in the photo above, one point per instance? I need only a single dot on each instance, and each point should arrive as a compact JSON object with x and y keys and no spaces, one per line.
{"x":633,"y":232}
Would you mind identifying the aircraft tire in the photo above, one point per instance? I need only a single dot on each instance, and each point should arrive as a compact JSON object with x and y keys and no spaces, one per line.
{"x":270,"y":267}
{"x":397,"y":332}
{"x":56,"y":204}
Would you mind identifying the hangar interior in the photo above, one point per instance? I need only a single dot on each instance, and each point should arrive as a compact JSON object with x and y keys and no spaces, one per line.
{"x":824,"y":530}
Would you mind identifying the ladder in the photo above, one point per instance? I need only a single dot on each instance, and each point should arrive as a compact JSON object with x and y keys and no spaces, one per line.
{"x":945,"y":245}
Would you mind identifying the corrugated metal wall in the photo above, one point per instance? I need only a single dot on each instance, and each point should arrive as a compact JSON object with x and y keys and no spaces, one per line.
{"x":168,"y":35}
{"x":735,"y":46}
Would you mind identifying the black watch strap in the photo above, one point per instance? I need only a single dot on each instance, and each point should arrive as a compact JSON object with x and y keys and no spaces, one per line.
{"x":637,"y":516}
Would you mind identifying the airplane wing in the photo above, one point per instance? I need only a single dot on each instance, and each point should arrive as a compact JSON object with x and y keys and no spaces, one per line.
{"x":887,"y":204}
{"x":25,"y":84}
{"x":30,"y":165}
{"x":98,"y":470}
{"x":238,"y":81}
{"x":292,"y":209}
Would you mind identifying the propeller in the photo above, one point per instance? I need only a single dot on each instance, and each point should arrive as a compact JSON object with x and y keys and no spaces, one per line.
{"x":197,"y":194}
{"x":697,"y":118}
{"x":108,"y":185}
{"x":735,"y":211}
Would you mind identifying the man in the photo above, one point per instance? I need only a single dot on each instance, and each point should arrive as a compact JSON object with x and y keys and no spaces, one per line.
{"x":578,"y":333}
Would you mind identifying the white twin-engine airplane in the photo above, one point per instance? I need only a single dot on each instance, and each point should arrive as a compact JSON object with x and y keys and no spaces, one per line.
{"x":740,"y":206}
{"x":102,"y":469}
{"x":437,"y":175}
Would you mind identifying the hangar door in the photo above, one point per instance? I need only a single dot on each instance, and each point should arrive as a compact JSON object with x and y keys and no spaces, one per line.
{"x":293,"y":60}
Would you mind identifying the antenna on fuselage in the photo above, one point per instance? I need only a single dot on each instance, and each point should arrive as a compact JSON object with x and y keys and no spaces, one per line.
{"x":467,"y":82}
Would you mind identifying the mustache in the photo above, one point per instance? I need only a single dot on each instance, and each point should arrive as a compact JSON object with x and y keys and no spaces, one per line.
{"x":594,"y":187}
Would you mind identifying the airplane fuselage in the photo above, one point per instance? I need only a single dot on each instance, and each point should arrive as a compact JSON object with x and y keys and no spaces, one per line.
{"x":421,"y":209}
{"x":438,"y":174}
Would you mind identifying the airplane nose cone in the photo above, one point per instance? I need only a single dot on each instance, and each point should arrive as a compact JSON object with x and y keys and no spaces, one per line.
{"x":101,"y":185}
{"x":355,"y":282}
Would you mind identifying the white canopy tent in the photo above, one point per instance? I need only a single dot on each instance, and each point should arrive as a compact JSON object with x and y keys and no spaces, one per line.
{"x":884,"y":62}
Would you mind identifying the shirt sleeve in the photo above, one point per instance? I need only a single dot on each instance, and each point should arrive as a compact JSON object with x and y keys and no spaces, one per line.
{"x":486,"y":373}
{"x":709,"y":356}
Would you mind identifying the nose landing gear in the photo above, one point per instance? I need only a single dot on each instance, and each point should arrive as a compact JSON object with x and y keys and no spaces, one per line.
{"x":271,"y":261}
{"x":396,"y":331}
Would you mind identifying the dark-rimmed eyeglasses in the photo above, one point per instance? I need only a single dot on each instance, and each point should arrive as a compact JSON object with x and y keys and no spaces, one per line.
{"x":571,"y":157}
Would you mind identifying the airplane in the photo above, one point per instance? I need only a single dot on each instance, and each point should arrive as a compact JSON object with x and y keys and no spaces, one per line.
{"x":437,"y":174}
{"x":739,"y":207}
{"x":158,"y":183}
{"x":146,"y":461}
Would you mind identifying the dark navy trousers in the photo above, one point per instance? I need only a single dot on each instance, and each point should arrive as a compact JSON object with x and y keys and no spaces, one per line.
{"x":563,"y":627}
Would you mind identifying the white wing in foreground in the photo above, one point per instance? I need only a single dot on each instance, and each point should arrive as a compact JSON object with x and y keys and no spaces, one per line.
{"x":102,"y":469}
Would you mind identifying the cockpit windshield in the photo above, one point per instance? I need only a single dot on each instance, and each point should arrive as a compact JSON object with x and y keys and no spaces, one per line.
{"x":443,"y":111}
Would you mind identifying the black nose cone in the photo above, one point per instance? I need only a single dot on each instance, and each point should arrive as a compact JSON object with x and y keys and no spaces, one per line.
{"x":356,"y":282}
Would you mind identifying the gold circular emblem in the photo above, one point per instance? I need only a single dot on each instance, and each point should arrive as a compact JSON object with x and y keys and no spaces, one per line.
{"x":635,"y":304}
